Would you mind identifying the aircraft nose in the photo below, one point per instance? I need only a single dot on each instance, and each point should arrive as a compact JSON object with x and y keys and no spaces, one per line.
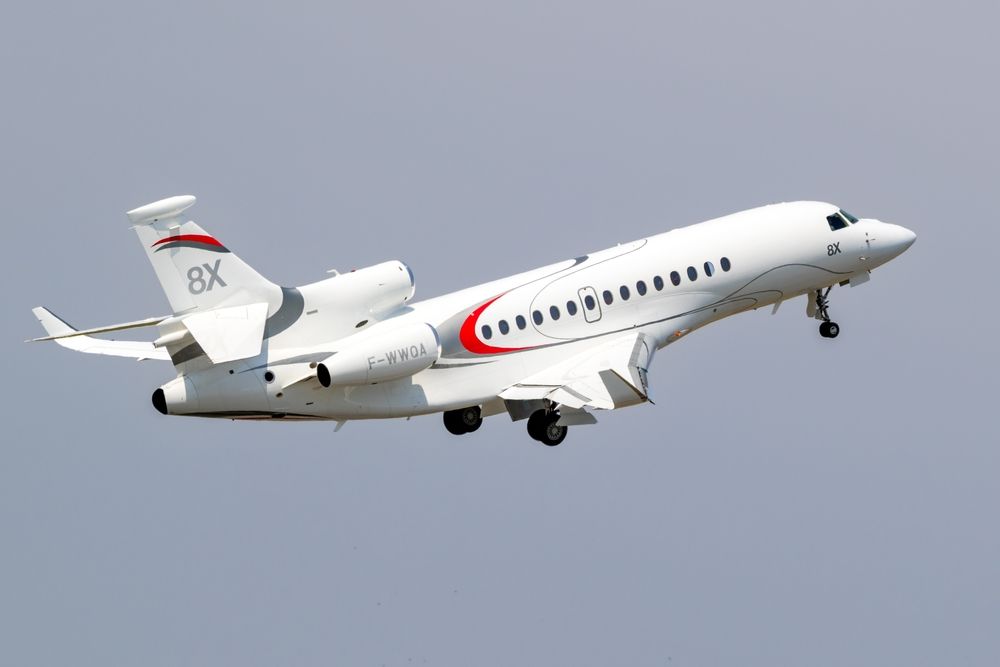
{"x":898,"y":238}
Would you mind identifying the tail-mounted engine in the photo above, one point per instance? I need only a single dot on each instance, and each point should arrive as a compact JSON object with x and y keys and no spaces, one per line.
{"x":379,"y":356}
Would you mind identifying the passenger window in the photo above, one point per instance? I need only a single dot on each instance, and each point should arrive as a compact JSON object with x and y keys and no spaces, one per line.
{"x":640,"y":287}
{"x":487,"y":332}
{"x":658,"y":283}
{"x":537,"y":316}
{"x":836,"y":222}
{"x":675,"y":278}
{"x":571,"y":307}
{"x":589,"y":302}
{"x":608,"y":297}
{"x":624,"y":292}
{"x":504,"y":327}
{"x":519,"y":320}
{"x":725,"y":264}
{"x":709,"y":269}
{"x":554,"y":312}
{"x":692,"y":274}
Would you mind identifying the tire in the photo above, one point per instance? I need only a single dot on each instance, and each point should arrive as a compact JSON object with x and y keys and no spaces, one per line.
{"x":453,"y":422}
{"x":471,"y":418}
{"x":824,"y":329}
{"x":536,"y":425}
{"x":553,"y":434}
{"x":833,"y":330}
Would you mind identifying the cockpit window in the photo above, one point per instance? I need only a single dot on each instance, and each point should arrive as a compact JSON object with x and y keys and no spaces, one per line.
{"x":836,"y":221}
{"x":847,"y":215}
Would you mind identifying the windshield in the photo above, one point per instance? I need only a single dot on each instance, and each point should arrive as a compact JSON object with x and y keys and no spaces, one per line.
{"x":840,"y":220}
{"x":836,"y":221}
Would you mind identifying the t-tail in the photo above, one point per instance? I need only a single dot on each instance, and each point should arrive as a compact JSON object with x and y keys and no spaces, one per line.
{"x":197,"y":271}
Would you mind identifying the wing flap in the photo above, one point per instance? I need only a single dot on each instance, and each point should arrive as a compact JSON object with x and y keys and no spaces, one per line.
{"x":607,"y":377}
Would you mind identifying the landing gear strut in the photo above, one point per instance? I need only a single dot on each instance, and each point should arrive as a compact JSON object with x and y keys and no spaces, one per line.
{"x":827,"y":328}
{"x":464,"y":420}
{"x":542,"y":427}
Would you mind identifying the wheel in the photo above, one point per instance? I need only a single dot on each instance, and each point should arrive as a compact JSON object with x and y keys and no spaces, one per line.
{"x":553,"y":434}
{"x":536,"y":424}
{"x":829,"y":329}
{"x":453,"y":422}
{"x":471,"y":418}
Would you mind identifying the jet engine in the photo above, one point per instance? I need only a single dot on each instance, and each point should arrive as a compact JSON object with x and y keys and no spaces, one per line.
{"x":337,"y":307}
{"x":373,"y":290}
{"x":381,"y":354}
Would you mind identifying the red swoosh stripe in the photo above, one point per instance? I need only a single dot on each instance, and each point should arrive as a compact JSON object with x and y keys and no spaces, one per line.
{"x":470,"y":341}
{"x":197,"y":238}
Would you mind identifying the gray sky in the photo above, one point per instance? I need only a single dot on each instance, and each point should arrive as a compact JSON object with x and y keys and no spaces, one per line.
{"x":789,"y":500}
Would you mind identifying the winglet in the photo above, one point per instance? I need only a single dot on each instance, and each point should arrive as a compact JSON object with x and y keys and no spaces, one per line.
{"x":51,"y":323}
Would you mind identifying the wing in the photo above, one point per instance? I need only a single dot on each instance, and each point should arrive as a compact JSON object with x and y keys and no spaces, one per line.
{"x":606,"y":377}
{"x":65,"y":335}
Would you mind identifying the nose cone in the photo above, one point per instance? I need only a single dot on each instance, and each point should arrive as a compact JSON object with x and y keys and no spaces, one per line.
{"x":897,"y":239}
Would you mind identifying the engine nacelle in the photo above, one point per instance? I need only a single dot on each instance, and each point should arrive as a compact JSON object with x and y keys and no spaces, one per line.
{"x":381,"y":355}
{"x":371,"y":291}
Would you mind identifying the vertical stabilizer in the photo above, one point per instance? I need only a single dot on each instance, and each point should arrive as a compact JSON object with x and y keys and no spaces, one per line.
{"x":195,"y":270}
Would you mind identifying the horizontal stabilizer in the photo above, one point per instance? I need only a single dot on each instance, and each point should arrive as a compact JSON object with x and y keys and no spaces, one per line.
{"x":68,"y":337}
{"x":228,"y":334}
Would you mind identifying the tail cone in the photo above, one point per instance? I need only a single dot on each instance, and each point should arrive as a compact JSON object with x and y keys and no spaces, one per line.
{"x":160,"y":401}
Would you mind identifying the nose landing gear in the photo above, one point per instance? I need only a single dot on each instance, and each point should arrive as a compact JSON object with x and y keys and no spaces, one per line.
{"x":827,"y":328}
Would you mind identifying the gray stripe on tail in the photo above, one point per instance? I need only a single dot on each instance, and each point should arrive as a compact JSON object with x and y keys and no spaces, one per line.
{"x":288,"y":313}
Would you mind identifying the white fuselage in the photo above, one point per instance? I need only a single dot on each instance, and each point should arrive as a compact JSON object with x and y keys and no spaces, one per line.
{"x":495,"y":335}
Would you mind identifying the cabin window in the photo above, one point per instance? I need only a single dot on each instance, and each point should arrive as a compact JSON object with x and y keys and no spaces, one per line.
{"x":553,"y":312}
{"x":608,"y":297}
{"x":487,"y":332}
{"x":640,"y":287}
{"x":658,"y":283}
{"x":623,"y":290}
{"x":675,"y":278}
{"x":521,"y":323}
{"x":725,"y":264}
{"x":692,"y":274}
{"x":709,"y":269}
{"x":504,"y":327}
{"x":589,"y":302}
{"x":537,"y":316}
{"x":571,"y":307}
{"x":836,"y":221}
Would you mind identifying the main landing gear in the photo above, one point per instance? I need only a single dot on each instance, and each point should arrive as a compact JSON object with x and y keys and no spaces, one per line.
{"x":464,"y":420}
{"x":542,"y":427}
{"x":542,"y":424}
{"x":827,"y":328}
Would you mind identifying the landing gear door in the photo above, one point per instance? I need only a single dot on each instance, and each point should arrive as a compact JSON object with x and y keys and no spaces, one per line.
{"x":590,"y":304}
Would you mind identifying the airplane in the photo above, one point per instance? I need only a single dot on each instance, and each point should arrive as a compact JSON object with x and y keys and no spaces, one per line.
{"x":550,"y":346}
